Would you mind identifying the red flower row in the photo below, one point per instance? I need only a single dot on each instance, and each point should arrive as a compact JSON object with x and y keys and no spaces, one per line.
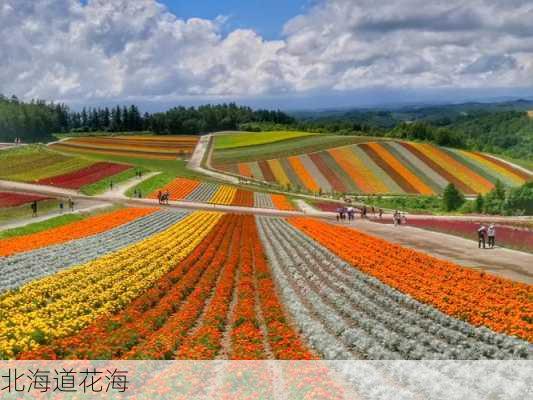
{"x":85,"y":176}
{"x":17,"y":199}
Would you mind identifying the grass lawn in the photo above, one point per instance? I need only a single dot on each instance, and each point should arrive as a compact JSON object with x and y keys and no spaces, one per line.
{"x":285,"y":148}
{"x":53,"y":223}
{"x":244,"y":139}
{"x":24,"y":211}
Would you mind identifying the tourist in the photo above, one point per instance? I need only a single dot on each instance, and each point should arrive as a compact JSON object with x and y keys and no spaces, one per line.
{"x":380,"y":213}
{"x":396,"y":218}
{"x":61,"y":207}
{"x":167,"y":197}
{"x":481,"y":232}
{"x":338,"y":213}
{"x":491,"y":233}
{"x":34,"y":209}
{"x":140,"y":194}
{"x":350,"y":214}
{"x":403,"y":219}
{"x":71,"y":204}
{"x":111,"y":184}
{"x":160,"y":196}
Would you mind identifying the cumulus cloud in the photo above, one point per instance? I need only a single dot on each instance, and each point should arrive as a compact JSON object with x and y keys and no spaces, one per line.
{"x":124,"y":49}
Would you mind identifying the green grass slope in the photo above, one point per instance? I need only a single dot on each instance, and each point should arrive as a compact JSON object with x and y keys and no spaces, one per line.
{"x":245,"y":139}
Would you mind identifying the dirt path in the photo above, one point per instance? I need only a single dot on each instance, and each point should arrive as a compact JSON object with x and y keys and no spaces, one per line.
{"x":202,"y":150}
{"x":119,"y":191}
{"x":507,"y":263}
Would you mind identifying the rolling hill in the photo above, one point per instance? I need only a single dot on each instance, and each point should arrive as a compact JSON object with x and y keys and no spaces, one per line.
{"x":383,"y":167}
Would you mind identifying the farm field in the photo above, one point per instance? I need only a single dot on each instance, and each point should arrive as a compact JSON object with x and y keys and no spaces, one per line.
{"x":246,"y":139}
{"x":384,"y":167}
{"x":224,"y":158}
{"x":156,"y":284}
{"x":37,"y":164}
{"x":156,"y":147}
{"x":197,"y":191}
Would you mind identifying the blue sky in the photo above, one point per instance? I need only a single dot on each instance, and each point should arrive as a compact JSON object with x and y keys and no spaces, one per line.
{"x":337,"y":53}
{"x":266,"y":17}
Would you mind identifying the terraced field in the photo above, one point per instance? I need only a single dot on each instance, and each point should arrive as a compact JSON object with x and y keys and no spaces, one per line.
{"x":385,"y":167}
{"x":151,"y":147}
{"x":212,"y":193}
{"x":178,"y":285}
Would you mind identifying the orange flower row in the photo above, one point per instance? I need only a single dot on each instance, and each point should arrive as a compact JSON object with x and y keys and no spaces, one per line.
{"x":178,"y":189}
{"x":281,"y":202}
{"x":478,"y":298}
{"x":76,"y":230}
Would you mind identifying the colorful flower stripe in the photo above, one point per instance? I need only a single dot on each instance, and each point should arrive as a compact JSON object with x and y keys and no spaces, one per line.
{"x":246,"y":335}
{"x":224,"y":195}
{"x":284,"y":341}
{"x":178,"y":189}
{"x":473,"y":296}
{"x":281,"y":202}
{"x":486,"y":163}
{"x":524,"y":175}
{"x":76,"y":230}
{"x":245,"y":170}
{"x":366,"y":181}
{"x":438,"y":181}
{"x":469,"y":177}
{"x":279,"y":173}
{"x":63,"y":304}
{"x":266,"y":171}
{"x":315,"y":173}
{"x":205,"y":342}
{"x":111,"y":336}
{"x":256,"y":171}
{"x":388,"y":180}
{"x":336,"y":182}
{"x":75,"y":148}
{"x":442,"y":171}
{"x":305,"y":177}
{"x":8,"y":199}
{"x":85,"y":176}
{"x":165,"y":341}
{"x":400,"y":170}
{"x":243,"y":198}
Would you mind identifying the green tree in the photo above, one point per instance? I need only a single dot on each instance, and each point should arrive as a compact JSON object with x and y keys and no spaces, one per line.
{"x":452,"y":198}
{"x":520,"y":200}
{"x":494,"y":200}
{"x":479,"y":203}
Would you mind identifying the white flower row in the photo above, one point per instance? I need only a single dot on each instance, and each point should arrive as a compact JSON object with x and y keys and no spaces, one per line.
{"x":263,"y":200}
{"x":19,"y":269}
{"x":203,"y":193}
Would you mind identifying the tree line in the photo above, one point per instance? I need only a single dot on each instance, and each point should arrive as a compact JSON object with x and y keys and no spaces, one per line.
{"x":37,"y":120}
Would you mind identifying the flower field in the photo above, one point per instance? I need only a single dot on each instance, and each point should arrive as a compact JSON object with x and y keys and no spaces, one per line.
{"x":519,"y":238}
{"x":152,"y":147}
{"x":85,"y":176}
{"x":206,"y":285}
{"x":32,"y":163}
{"x":8,"y":199}
{"x":212,"y":193}
{"x":384,"y":167}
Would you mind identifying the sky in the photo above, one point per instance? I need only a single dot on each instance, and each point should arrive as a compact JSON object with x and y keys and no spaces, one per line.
{"x":291,"y":54}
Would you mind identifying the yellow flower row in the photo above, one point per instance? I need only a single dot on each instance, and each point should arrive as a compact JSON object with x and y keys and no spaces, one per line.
{"x":224,"y":195}
{"x":64,"y":303}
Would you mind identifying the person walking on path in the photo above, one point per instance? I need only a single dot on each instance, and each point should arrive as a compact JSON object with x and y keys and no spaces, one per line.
{"x":71,"y":204}
{"x":491,"y":233}
{"x":34,"y":209}
{"x":380,"y":213}
{"x":481,"y":232}
{"x":111,"y":184}
{"x":61,"y":207}
{"x":159,"y":196}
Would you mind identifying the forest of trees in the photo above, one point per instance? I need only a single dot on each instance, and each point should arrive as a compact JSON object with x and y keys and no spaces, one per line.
{"x":37,"y":120}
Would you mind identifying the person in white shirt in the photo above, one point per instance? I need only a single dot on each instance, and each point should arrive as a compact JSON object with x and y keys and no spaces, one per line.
{"x":491,"y":234}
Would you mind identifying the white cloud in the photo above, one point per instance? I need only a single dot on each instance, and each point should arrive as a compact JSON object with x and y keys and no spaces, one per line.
{"x":117,"y":49}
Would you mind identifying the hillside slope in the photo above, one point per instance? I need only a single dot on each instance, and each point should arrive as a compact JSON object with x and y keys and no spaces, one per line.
{"x":384,"y":167}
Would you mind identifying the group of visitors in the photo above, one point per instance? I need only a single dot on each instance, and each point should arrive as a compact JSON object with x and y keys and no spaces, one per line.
{"x":399,"y":218}
{"x":139,"y":173}
{"x":344,"y":213}
{"x":34,"y":206}
{"x":17,"y":141}
{"x":137,"y":193}
{"x":486,"y":236}
{"x":163,"y":197}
